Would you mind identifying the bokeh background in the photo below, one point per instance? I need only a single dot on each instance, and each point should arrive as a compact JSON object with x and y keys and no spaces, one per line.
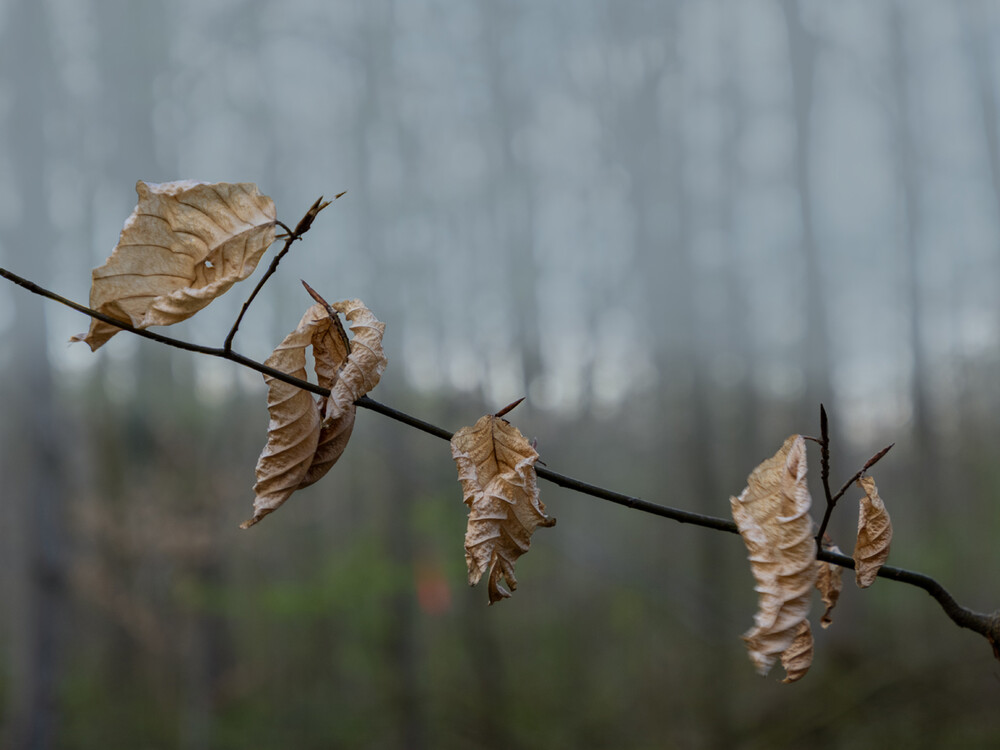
{"x":677,"y":227}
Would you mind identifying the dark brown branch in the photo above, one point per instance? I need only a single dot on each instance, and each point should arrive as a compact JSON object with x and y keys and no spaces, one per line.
{"x":868,"y":464}
{"x":824,"y":448}
{"x":166,"y":340}
{"x":987,"y":625}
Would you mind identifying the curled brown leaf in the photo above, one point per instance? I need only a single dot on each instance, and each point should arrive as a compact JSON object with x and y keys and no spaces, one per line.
{"x":294,"y":425}
{"x":300,"y":448}
{"x":829,"y":581}
{"x":797,"y":658}
{"x":772,"y":515}
{"x":302,"y":445}
{"x":331,"y":352}
{"x":185,"y":244}
{"x":874,"y":535}
{"x":365,"y":363}
{"x":496,"y":467}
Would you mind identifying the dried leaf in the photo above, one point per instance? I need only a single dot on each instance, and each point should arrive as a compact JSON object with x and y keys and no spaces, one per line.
{"x":772,"y":515}
{"x":185,"y":244}
{"x":798,"y":657}
{"x":331,"y":353}
{"x":874,"y":535}
{"x":829,"y":581}
{"x":298,"y":450}
{"x":365,"y":364}
{"x":496,"y":467}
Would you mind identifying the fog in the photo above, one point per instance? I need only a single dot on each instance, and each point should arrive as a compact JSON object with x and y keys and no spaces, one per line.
{"x":676,"y":227}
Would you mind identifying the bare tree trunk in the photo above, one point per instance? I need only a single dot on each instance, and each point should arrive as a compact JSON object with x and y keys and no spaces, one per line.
{"x":983,"y":73}
{"x":513,"y":194}
{"x":33,"y":475}
{"x":927,"y":475}
{"x":802,"y":62}
{"x":402,"y":646}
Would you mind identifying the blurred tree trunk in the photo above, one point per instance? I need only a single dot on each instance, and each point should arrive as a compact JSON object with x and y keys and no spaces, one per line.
{"x":207,"y":657}
{"x":402,"y":486}
{"x":34,"y":481}
{"x":654,"y":144}
{"x":977,"y":44}
{"x":802,"y":64}
{"x":512,"y":195}
{"x":405,"y":722}
{"x":926,"y":476}
{"x":375,"y":59}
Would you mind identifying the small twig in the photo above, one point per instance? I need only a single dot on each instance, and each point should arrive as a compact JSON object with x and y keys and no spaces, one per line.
{"x":987,"y":625}
{"x":824,"y":446}
{"x":868,"y":464}
{"x":824,"y":431}
{"x":290,"y":236}
{"x":509,"y":407}
{"x":831,"y":498}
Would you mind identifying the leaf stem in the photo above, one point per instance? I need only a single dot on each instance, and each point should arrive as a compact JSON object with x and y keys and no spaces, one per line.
{"x":987,"y":625}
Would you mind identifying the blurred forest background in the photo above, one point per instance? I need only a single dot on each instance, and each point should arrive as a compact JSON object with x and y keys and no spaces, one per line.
{"x":677,"y":227}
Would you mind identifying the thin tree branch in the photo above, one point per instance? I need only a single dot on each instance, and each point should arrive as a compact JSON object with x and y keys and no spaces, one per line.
{"x":166,"y":340}
{"x":987,"y":625}
{"x":824,"y":448}
{"x":868,"y":464}
{"x":290,"y":236}
{"x":831,"y":499}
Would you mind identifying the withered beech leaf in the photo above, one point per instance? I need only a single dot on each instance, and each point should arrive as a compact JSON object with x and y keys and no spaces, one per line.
{"x":298,"y":450}
{"x":365,"y":363}
{"x":185,"y":244}
{"x":797,"y":658}
{"x":874,"y":535}
{"x":331,"y":352}
{"x":496,"y":467}
{"x":829,"y":581}
{"x":772,"y":515}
